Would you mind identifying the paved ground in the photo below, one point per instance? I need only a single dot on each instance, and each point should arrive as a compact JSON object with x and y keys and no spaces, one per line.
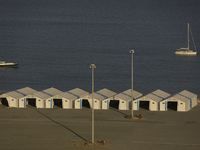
{"x":31,"y":128}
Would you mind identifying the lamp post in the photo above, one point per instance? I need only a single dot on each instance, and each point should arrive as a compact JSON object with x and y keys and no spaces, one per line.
{"x":131,"y":51}
{"x":92,"y":66}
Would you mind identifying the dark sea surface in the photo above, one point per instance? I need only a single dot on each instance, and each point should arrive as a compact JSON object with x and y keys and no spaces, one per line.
{"x":55,"y":41}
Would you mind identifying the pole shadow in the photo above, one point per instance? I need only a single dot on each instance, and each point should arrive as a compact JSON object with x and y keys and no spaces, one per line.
{"x":125,"y":115}
{"x":114,"y":109}
{"x":59,"y":124}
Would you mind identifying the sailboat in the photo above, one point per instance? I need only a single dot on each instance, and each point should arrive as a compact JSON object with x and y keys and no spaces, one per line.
{"x":186,"y":50}
{"x":4,"y":64}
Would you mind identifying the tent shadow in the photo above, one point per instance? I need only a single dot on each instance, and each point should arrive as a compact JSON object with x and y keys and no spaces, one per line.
{"x":60,"y":124}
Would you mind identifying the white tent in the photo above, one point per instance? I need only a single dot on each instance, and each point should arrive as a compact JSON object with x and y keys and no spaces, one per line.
{"x":25,"y":91}
{"x":182,"y":101}
{"x":53,"y":92}
{"x":151,"y":100}
{"x":102,"y":98}
{"x":12,"y":98}
{"x":124,"y":99}
{"x":37,"y":99}
{"x":64,"y":100}
{"x":80,"y":96}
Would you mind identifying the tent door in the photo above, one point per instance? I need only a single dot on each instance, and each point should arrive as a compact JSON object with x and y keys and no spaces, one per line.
{"x":144,"y":105}
{"x":114,"y":104}
{"x":4,"y":102}
{"x":31,"y":102}
{"x":85,"y":103}
{"x":172,"y":105}
{"x":59,"y":103}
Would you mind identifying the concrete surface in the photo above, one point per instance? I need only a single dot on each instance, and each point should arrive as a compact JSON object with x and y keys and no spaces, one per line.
{"x":31,"y":128}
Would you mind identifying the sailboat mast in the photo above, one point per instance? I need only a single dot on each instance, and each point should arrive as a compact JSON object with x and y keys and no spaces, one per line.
{"x":188,"y":37}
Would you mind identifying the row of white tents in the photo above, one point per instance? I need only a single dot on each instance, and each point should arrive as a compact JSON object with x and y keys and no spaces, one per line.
{"x":103,"y":99}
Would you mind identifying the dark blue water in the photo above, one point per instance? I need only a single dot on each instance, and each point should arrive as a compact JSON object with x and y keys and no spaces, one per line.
{"x":55,"y":41}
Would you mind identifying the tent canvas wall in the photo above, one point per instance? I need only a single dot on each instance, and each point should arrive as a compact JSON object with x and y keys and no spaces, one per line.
{"x":77,"y":103}
{"x":152,"y":99}
{"x":125,"y":99}
{"x":105,"y":104}
{"x":48,"y":103}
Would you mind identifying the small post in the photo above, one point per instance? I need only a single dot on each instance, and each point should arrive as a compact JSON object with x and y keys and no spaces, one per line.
{"x":92,"y":66}
{"x":132,"y":51}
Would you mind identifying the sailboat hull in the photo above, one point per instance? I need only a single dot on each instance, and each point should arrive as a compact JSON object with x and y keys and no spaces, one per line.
{"x":9,"y":64}
{"x":190,"y":53}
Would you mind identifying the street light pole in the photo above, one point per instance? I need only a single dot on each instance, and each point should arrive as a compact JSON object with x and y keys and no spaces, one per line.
{"x":92,"y":66}
{"x":132,"y":51}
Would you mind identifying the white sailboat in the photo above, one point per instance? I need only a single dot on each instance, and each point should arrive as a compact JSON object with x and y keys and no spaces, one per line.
{"x":186,"y":50}
{"x":4,"y":64}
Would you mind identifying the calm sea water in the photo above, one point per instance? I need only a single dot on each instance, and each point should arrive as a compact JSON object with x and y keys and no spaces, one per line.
{"x":55,"y":41}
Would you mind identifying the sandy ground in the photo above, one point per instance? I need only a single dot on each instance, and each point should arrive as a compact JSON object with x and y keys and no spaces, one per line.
{"x":31,"y":128}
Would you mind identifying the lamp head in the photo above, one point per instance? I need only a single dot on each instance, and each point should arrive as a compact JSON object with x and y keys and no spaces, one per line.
{"x":92,"y":66}
{"x":132,"y":51}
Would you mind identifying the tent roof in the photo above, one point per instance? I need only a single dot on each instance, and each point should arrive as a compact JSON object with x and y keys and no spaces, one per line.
{"x":26,"y":91}
{"x":181,"y":98}
{"x":78,"y":92}
{"x":67,"y":96}
{"x":106,"y":93}
{"x":157,"y":95}
{"x":126,"y":95}
{"x":161,"y":94}
{"x":98,"y":96}
{"x":52,"y":91}
{"x":19,"y":93}
{"x":123,"y":96}
{"x":187,"y":94}
{"x":135,"y":93}
{"x":153,"y":97}
{"x":42,"y":95}
{"x":14,"y":94}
